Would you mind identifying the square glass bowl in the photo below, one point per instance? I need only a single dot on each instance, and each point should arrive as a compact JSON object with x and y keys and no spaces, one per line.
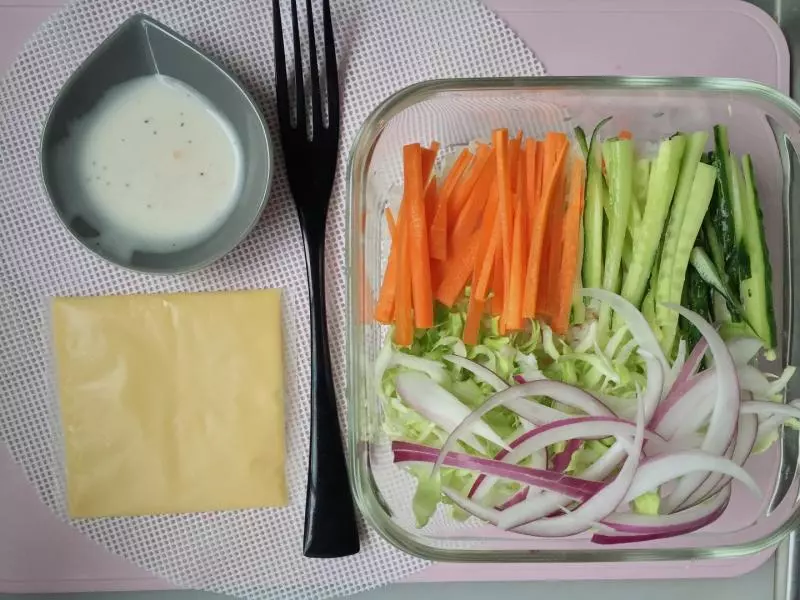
{"x":761,"y":122}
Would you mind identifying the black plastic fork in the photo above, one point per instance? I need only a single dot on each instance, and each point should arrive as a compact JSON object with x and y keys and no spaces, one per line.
{"x":330,"y":524}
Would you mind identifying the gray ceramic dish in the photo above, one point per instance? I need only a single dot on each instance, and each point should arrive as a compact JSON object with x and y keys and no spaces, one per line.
{"x":142,"y":46}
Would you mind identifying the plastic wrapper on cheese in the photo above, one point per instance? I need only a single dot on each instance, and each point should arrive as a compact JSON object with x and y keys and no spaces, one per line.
{"x":171,"y":403}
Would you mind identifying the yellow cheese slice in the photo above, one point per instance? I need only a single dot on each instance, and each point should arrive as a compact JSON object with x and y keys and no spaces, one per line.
{"x":171,"y":403}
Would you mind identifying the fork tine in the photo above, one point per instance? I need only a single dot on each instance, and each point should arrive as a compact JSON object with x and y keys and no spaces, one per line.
{"x":300,"y":97}
{"x":316,"y":96}
{"x":281,"y":85}
{"x":331,"y":70}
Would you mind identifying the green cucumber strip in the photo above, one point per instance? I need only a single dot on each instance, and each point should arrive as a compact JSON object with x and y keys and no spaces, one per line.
{"x":725,"y":212}
{"x":756,"y":290}
{"x":705,"y":267}
{"x":679,"y":243}
{"x":580,"y":135}
{"x":668,"y":289}
{"x":663,"y":180}
{"x":736,"y":186}
{"x":696,"y":297}
{"x":641,"y":179}
{"x":619,"y":160}
{"x":593,"y":220}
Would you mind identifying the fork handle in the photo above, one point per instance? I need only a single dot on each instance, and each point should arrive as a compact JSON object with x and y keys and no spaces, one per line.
{"x":330,"y":524}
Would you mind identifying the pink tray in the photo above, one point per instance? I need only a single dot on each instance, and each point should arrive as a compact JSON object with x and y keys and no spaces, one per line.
{"x":38,"y":553}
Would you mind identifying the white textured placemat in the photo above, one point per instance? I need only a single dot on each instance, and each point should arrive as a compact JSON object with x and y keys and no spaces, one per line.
{"x":383,"y":45}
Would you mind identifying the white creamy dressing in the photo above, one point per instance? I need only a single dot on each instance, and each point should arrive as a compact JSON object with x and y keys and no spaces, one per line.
{"x":153,"y":167}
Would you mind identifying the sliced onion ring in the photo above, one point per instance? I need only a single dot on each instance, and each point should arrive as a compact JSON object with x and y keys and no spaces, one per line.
{"x":579,"y":489}
{"x":722,"y":426}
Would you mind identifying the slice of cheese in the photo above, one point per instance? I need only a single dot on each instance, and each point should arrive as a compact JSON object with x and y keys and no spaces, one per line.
{"x":171,"y":403}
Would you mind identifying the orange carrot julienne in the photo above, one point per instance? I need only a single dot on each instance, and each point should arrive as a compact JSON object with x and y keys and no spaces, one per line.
{"x":439,"y":225}
{"x":431,"y":198}
{"x":385,"y":307}
{"x":485,"y":246}
{"x":464,"y":188}
{"x":403,"y":312}
{"x":513,"y":306}
{"x":483,"y":277}
{"x":437,"y":274}
{"x":390,"y":222}
{"x":625,"y":135}
{"x":498,"y":298}
{"x":532,"y":192}
{"x":535,"y":263}
{"x":554,"y":240}
{"x":474,"y":210}
{"x":428,"y":179}
{"x":473,"y":322}
{"x":428,"y":160}
{"x":422,"y":295}
{"x":505,"y":206}
{"x":456,"y":272}
{"x":569,"y":257}
{"x":514,"y":146}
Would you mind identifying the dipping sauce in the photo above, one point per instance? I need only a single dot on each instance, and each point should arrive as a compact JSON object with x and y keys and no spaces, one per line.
{"x":154,"y":166}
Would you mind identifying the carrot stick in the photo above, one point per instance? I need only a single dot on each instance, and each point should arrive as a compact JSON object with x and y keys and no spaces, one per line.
{"x":569,"y":257}
{"x":625,"y":135}
{"x":554,"y":239}
{"x":428,"y":160}
{"x":470,"y":217}
{"x":514,"y":147}
{"x":486,"y":259}
{"x":391,"y":222}
{"x":437,"y":273}
{"x":403,"y":314}
{"x":417,"y":237}
{"x":533,"y":188}
{"x":498,"y":285}
{"x":385,"y":307}
{"x":513,"y":306}
{"x":431,"y":196}
{"x":536,"y":252}
{"x":456,"y":272}
{"x":439,"y":224}
{"x":464,"y":187}
{"x":505,"y":206}
{"x":473,"y":322}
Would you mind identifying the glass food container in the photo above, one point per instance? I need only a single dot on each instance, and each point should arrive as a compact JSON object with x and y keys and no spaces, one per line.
{"x":761,"y":122}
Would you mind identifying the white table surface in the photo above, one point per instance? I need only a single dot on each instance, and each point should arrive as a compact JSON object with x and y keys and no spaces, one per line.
{"x":18,"y":19}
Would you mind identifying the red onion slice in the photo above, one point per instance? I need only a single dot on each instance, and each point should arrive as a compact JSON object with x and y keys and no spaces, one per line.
{"x":722,"y":426}
{"x":441,"y":407}
{"x":578,"y":489}
{"x":600,"y":505}
{"x":646,"y":527}
{"x":556,"y":390}
{"x":657,"y":471}
{"x":768,"y":409}
{"x":562,"y":459}
{"x":682,"y":383}
{"x":480,"y":372}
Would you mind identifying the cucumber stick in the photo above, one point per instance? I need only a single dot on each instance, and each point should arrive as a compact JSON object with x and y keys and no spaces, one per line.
{"x":641,"y":178}
{"x":619,"y":158}
{"x":696,"y":297}
{"x":756,"y":287}
{"x":663,"y":180}
{"x":726,"y":210}
{"x":596,"y":197}
{"x":670,"y":283}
